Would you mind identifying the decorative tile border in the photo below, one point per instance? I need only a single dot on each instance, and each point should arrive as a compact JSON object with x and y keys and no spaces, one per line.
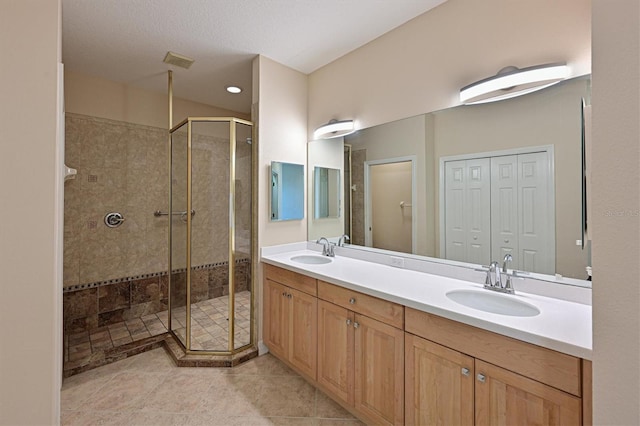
{"x":150,"y":275}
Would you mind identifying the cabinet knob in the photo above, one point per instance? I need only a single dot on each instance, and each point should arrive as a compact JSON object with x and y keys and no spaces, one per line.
{"x":284,"y":293}
{"x":506,"y":241}
{"x":481,"y":378}
{"x":289,"y":295}
{"x":352,"y":300}
{"x":465,"y":371}
{"x":356,"y":325}
{"x":348,"y":322}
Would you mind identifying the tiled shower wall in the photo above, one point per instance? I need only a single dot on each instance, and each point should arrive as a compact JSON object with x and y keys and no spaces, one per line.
{"x":124,"y":167}
{"x":358,"y":158}
{"x":115,"y":274}
{"x":102,"y":305}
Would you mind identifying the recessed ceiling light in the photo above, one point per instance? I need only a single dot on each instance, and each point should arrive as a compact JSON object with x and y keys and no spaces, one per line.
{"x":233,"y":89}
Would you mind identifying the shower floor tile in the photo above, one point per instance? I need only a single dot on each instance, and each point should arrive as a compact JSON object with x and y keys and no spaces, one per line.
{"x":210,"y":324}
{"x":210,"y":330}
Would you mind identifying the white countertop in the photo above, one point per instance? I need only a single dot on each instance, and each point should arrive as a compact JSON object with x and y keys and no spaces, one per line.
{"x":561,"y":325}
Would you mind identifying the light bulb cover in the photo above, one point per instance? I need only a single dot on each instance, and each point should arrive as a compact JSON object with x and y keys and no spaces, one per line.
{"x":233,"y":89}
{"x":515,"y":82}
{"x":334,"y":129}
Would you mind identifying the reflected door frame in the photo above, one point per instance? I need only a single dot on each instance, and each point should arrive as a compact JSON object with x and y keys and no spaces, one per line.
{"x":368,"y":208}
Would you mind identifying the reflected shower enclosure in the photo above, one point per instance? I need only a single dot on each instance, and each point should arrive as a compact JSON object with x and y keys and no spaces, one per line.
{"x":210,"y":235}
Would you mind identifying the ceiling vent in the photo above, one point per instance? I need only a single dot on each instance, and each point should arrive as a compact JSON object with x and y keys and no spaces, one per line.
{"x":178,"y":60}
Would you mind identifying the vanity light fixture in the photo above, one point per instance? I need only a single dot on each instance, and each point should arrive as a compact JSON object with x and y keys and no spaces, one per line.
{"x":511,"y":81}
{"x":334,"y":129}
{"x":234,"y":89}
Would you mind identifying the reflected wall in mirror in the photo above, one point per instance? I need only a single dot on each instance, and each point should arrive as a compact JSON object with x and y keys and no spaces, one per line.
{"x":325,"y":154}
{"x":546,"y":121}
{"x":326,"y":193}
{"x":287,"y":191}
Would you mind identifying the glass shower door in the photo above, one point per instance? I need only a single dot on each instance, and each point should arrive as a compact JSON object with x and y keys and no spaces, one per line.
{"x":178,"y":233}
{"x":243,"y":249}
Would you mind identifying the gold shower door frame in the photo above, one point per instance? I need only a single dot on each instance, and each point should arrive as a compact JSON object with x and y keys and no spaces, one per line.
{"x":233,"y":122}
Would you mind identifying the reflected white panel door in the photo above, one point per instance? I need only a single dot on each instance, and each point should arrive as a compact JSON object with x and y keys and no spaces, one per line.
{"x":468,"y":210}
{"x":536,"y":224}
{"x":478,"y":211}
{"x":391,"y":185}
{"x":504,"y":208}
{"x":455,"y":223}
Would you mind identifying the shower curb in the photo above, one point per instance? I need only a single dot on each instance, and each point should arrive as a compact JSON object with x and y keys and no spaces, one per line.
{"x":181,"y":359}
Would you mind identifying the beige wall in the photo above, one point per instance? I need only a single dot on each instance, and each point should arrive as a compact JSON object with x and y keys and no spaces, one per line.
{"x":280,"y":105}
{"x":98,"y":97}
{"x":616,"y":207}
{"x":30,"y":214}
{"x":420,"y":66}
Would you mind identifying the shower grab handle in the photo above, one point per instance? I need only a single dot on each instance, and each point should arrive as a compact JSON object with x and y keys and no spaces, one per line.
{"x":183,"y":215}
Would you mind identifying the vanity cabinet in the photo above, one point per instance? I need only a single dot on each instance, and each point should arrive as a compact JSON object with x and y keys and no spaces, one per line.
{"x":390,"y":364}
{"x":291,"y":318}
{"x":361,"y":359}
{"x":438,"y":384}
{"x":506,"y":398}
{"x":489,"y":379}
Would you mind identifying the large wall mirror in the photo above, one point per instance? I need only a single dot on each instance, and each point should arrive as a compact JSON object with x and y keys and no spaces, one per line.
{"x":287,"y":191}
{"x":476,"y":182}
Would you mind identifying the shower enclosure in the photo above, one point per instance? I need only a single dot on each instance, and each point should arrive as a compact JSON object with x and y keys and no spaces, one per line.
{"x":211,"y":254}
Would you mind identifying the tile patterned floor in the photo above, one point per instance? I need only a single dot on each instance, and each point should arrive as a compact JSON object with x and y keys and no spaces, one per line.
{"x":209,"y":329}
{"x":148,"y":389}
{"x":210,"y":324}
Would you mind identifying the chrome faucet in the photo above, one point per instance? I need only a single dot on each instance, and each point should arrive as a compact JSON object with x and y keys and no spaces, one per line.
{"x":497,"y":282}
{"x":342,"y":239}
{"x":327,"y":247}
{"x":493,"y":280}
{"x":508,"y":287}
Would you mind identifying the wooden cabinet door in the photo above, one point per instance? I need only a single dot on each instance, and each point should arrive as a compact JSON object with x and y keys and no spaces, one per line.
{"x":379,"y":371}
{"x":276,"y":318}
{"x":506,"y":398}
{"x":438,"y":384}
{"x":303,"y":332}
{"x":335,"y":350}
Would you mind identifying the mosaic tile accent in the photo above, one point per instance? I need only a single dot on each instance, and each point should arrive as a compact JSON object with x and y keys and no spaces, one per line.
{"x":83,"y":286}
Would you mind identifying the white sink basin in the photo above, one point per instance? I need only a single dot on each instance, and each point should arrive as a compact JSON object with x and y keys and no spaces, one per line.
{"x":310,"y":259}
{"x":496,"y":303}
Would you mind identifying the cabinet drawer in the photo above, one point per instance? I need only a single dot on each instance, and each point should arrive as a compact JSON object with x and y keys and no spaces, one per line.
{"x":382,"y":310}
{"x":553,"y":368}
{"x":292,"y":279}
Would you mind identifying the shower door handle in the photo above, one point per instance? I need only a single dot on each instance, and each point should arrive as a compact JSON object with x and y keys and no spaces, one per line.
{"x":183,"y":215}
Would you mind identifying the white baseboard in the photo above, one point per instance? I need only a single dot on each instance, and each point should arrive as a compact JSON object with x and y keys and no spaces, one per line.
{"x":262,"y":348}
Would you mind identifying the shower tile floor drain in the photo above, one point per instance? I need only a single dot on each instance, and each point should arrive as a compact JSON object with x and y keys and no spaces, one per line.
{"x":209,"y":330}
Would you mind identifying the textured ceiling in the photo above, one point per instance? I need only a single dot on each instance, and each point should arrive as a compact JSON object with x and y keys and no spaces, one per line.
{"x":126,"y":40}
